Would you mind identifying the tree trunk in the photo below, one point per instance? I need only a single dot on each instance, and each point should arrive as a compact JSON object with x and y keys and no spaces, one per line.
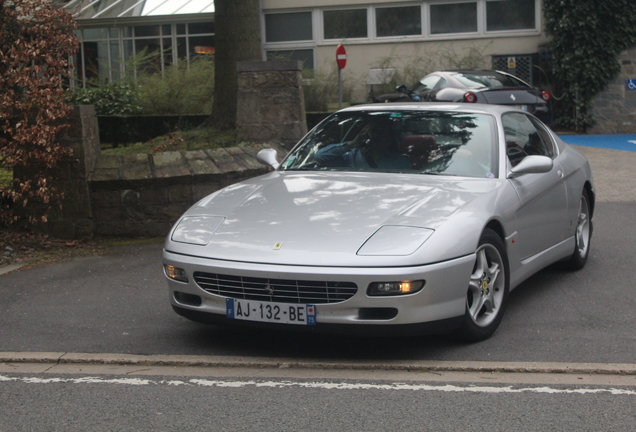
{"x":237,"y":38}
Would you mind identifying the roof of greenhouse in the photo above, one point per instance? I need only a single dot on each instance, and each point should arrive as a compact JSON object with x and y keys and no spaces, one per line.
{"x":96,"y":9}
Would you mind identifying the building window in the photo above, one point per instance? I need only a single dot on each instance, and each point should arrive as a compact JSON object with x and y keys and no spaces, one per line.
{"x":286,"y":27}
{"x":454,"y":18}
{"x":194,"y":39}
{"x":98,"y":60}
{"x":105,"y":52}
{"x":200,"y":28}
{"x":345,"y":24}
{"x":398,"y":21}
{"x":510,"y":15}
{"x":304,"y":55}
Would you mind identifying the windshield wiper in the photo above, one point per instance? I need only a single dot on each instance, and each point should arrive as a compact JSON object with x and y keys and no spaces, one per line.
{"x":437,"y":173}
{"x":302,"y":168}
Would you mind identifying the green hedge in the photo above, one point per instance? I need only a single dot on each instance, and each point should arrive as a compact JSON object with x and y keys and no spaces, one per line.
{"x":121,"y":130}
{"x":587,"y":36}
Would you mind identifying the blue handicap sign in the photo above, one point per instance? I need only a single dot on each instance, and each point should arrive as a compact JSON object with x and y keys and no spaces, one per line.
{"x":631,"y":84}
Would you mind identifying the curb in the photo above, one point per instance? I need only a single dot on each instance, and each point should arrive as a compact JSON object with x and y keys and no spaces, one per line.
{"x":12,"y":267}
{"x":268,"y":363}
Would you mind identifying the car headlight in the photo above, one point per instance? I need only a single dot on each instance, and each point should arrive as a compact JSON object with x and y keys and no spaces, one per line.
{"x":176,"y":273}
{"x":394,"y":240}
{"x":394,"y":288}
{"x":197,"y":230}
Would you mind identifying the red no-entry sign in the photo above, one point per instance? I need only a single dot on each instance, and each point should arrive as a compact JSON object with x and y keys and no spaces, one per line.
{"x":341,"y":56}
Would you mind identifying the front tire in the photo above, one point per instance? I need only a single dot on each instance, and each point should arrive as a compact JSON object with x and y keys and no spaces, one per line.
{"x":487,"y":293}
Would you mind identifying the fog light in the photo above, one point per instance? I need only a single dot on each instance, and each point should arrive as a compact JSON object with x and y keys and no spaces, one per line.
{"x":394,"y":288}
{"x":176,"y":273}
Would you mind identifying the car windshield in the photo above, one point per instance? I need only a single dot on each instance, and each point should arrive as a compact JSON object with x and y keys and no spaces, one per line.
{"x":491,"y":80}
{"x":409,"y":141}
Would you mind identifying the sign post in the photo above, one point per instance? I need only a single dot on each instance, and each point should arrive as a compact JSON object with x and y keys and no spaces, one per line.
{"x":341,"y":59}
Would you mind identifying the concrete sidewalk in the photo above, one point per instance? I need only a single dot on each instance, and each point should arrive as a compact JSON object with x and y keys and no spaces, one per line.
{"x":614,"y":173}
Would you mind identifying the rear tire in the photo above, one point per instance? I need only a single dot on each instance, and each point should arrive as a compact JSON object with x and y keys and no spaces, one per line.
{"x":582,"y":236}
{"x":487,"y":293}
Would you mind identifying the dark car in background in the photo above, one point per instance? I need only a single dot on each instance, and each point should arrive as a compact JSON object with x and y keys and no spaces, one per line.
{"x":475,"y":86}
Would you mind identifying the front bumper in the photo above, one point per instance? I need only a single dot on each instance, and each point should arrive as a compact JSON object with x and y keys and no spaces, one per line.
{"x":439,"y":305}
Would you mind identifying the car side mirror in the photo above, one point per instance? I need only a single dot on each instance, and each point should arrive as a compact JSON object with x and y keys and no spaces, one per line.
{"x":401,"y":89}
{"x":269,"y":157}
{"x":532,"y":165}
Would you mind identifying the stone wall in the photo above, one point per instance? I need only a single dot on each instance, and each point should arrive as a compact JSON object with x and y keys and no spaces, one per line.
{"x":271,"y":104}
{"x":144,"y":194}
{"x":614,"y":109}
{"x":74,"y":219}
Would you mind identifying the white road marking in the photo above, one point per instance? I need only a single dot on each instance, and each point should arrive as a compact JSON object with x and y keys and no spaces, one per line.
{"x":319,"y":385}
{"x":630,"y":141}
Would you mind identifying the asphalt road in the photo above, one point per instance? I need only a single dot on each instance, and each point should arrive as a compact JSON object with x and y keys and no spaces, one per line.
{"x":93,"y":345}
{"x":166,"y":403}
{"x":118,"y":304}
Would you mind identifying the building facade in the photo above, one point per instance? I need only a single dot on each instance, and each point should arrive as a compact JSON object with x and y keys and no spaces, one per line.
{"x":380,"y":36}
{"x":120,"y":37}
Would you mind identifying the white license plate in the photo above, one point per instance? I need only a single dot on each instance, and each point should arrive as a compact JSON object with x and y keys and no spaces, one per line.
{"x":283,"y":313}
{"x":522,"y":107}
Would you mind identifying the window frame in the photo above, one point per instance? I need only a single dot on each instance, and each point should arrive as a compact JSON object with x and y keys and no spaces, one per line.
{"x":292,"y":45}
{"x":541,"y":131}
{"x":313,"y":54}
{"x":374,"y":21}
{"x":537,"y":19}
{"x":479,"y":17}
{"x":264,"y":27}
{"x":372,"y":36}
{"x":370,"y":24}
{"x":124,"y":34}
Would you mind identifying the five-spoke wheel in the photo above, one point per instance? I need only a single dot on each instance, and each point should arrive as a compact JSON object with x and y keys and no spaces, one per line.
{"x":487,"y":289}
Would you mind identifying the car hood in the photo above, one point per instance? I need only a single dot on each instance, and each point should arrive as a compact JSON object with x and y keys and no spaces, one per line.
{"x":324,"y":218}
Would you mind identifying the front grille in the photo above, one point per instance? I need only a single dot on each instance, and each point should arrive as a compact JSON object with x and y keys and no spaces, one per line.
{"x":275,"y":290}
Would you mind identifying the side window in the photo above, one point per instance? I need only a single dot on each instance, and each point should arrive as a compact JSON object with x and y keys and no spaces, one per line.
{"x":546,"y":137}
{"x":427,"y":83}
{"x":524,"y":139}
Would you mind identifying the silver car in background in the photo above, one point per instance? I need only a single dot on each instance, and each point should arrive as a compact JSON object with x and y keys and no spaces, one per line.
{"x":387,"y":219}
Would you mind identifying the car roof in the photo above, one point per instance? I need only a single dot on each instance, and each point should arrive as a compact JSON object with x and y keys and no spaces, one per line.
{"x":477,"y":72}
{"x":432,"y":106}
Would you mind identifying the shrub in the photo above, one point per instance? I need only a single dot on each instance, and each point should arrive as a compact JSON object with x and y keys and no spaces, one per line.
{"x":321,"y":90}
{"x":36,"y":40}
{"x":181,"y":90}
{"x":120,"y":98}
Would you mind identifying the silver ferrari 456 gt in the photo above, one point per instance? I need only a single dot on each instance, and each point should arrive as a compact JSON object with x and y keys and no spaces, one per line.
{"x":386,"y":219}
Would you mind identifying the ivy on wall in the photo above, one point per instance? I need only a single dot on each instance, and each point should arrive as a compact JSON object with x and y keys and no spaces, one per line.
{"x":587,"y":36}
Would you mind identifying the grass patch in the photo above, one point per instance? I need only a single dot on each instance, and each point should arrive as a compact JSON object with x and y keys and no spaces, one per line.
{"x":200,"y":138}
